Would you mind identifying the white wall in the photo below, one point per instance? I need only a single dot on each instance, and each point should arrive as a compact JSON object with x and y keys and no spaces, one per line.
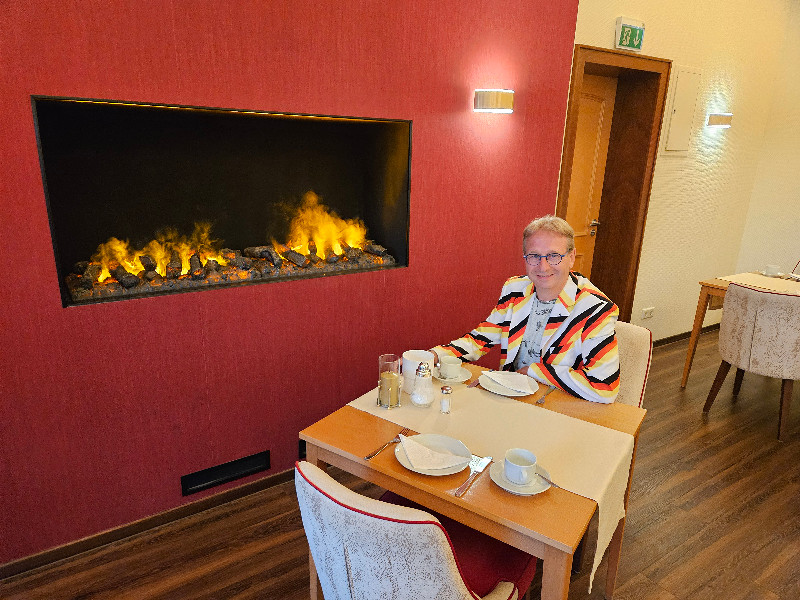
{"x":699,"y":202}
{"x":772,"y":230}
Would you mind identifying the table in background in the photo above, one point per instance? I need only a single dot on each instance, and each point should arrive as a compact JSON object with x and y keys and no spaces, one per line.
{"x":712,"y":294}
{"x":549,"y":526}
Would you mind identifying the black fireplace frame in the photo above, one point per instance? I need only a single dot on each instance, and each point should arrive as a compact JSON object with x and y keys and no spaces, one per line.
{"x":360,"y":167}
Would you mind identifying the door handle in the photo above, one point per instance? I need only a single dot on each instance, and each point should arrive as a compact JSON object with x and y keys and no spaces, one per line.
{"x":594,"y":223}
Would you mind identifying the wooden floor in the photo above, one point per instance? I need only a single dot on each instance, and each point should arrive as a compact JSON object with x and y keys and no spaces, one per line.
{"x":714,"y":514}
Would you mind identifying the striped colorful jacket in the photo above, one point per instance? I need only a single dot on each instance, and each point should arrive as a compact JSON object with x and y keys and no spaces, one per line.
{"x":579,"y":347}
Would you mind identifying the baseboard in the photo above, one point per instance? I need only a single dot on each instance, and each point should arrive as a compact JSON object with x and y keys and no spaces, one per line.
{"x":91,"y":542}
{"x":682,"y":336}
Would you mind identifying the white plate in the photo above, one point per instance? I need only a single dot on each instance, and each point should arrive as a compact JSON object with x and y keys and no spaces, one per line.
{"x":440,"y":443}
{"x":489,"y":384}
{"x":537,"y":486}
{"x":463,"y":375}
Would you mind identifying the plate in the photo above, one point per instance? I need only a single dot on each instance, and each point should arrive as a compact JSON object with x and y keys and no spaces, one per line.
{"x":441,"y":443}
{"x":490,"y":385}
{"x":537,"y":486}
{"x":461,"y":378}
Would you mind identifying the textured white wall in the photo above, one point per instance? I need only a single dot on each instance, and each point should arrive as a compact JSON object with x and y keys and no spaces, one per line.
{"x":699,"y":203}
{"x":772,"y":230}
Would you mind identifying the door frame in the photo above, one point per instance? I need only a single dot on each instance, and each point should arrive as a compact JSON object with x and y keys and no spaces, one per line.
{"x":633,"y":146}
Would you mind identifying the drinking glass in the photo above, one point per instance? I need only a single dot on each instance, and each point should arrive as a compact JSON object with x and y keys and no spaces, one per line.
{"x":389,"y":380}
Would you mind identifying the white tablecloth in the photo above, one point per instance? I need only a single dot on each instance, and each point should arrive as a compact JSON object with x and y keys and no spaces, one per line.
{"x":584,"y":458}
{"x":773,"y":284}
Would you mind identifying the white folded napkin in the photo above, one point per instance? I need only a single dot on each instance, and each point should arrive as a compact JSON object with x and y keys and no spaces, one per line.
{"x":422,"y":457}
{"x":519,"y":382}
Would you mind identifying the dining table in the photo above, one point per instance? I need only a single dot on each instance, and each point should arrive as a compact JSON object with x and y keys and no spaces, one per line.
{"x":712,"y":295}
{"x":588,"y":448}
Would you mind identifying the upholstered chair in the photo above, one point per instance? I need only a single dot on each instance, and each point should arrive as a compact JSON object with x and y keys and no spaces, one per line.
{"x":368,"y":549}
{"x":635,"y":352}
{"x":759,"y":333}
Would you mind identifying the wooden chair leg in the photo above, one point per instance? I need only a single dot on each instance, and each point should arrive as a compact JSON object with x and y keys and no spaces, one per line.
{"x":786,"y":402}
{"x":737,"y":382}
{"x":718,"y":381}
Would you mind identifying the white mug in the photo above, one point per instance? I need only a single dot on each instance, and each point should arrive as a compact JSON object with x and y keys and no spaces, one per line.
{"x":449,"y":367}
{"x":772,"y":270}
{"x":411,"y":360}
{"x":520,"y":466}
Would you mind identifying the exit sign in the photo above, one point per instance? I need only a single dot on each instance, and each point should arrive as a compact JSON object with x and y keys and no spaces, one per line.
{"x":630,"y":34}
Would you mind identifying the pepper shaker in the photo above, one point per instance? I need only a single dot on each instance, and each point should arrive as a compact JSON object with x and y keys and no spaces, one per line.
{"x":445,"y":401}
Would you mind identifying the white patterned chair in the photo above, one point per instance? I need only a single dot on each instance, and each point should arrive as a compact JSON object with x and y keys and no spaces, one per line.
{"x":367,"y":549}
{"x":759,"y":333}
{"x":635,"y":352}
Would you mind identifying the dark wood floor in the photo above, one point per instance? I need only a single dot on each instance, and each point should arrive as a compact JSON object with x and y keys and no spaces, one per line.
{"x":714,"y":514}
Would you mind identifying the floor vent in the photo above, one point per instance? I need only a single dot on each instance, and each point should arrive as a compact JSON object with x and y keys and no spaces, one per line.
{"x":229,"y":471}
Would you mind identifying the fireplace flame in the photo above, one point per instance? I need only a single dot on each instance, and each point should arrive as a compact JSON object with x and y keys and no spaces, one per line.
{"x":118,"y":252}
{"x":314,"y":222}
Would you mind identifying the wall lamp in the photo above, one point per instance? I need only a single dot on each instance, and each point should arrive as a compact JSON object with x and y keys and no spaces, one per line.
{"x":494,"y":101}
{"x":721,"y":120}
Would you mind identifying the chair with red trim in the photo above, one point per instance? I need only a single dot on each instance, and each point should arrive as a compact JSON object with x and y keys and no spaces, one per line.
{"x":759,"y":333}
{"x":635,"y":351}
{"x":365,"y":548}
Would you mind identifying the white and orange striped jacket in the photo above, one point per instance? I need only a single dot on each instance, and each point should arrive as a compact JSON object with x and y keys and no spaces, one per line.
{"x":579,"y":347}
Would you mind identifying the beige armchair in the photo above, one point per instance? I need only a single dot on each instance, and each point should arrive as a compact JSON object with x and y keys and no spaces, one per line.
{"x":368,"y":549}
{"x":760,"y":333}
{"x":635,"y":346}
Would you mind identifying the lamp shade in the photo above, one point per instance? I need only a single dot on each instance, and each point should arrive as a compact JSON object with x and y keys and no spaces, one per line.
{"x":494,"y":101}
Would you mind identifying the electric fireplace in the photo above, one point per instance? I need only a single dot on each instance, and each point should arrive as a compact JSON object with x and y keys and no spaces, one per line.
{"x":149,"y":199}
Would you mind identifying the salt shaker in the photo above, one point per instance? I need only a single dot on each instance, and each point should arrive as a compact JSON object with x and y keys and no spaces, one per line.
{"x":444,"y":406}
{"x":422,"y":394}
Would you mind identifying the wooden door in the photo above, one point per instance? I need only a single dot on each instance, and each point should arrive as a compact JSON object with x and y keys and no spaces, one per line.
{"x":595,"y":113}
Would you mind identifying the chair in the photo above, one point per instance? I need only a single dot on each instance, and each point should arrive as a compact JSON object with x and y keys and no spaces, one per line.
{"x":368,"y":549}
{"x":635,"y":351}
{"x":759,"y":333}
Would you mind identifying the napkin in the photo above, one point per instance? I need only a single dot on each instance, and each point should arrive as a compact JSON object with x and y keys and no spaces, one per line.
{"x":422,"y":457}
{"x":519,"y":382}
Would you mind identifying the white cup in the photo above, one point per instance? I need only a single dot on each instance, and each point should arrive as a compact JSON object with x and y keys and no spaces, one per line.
{"x":411,"y":360}
{"x":772,"y":270}
{"x":520,"y":466}
{"x":449,"y":367}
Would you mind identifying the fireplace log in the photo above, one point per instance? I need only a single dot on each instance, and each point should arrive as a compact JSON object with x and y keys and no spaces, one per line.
{"x":241,"y":262}
{"x":257,"y":251}
{"x":331,"y":257}
{"x":148,"y":263}
{"x":93,"y":272}
{"x":174,"y":266}
{"x":126,"y":280}
{"x":80,"y":267}
{"x":297,"y":258}
{"x":196,"y":270}
{"x":274,"y":257}
{"x":152,"y":277}
{"x":312,"y":256}
{"x":211,"y":266}
{"x":229,"y":255}
{"x":375,"y":249}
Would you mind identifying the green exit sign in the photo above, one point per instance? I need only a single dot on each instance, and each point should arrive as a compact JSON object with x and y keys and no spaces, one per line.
{"x":630,"y":34}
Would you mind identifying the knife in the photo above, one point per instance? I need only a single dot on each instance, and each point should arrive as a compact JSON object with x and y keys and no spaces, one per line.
{"x":476,"y":466}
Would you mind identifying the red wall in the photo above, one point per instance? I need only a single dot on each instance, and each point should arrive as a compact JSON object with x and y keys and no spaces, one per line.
{"x":104,"y":407}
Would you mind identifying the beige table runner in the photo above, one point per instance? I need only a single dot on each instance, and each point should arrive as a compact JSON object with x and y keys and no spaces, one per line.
{"x":583,"y":458}
{"x":773,"y":284}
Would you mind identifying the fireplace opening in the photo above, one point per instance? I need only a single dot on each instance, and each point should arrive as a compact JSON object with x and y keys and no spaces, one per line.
{"x":147,"y":199}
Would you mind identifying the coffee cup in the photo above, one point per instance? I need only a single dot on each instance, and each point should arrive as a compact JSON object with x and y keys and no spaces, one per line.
{"x":772,"y":270}
{"x":449,"y":367}
{"x":411,"y":360}
{"x":520,"y":466}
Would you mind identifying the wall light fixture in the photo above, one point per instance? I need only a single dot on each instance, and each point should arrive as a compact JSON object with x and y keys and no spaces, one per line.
{"x":721,"y":120}
{"x":494,"y":101}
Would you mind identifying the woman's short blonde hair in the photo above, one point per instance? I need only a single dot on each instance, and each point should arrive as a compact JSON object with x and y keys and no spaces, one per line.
{"x":551,"y":223}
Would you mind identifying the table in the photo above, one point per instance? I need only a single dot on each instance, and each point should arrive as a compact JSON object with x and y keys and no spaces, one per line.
{"x":712,"y":293}
{"x":549,"y":526}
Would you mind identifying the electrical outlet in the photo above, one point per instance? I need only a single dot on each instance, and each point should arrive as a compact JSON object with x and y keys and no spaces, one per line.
{"x":647,"y":313}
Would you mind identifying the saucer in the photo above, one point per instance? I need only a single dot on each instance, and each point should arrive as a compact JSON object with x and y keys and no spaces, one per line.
{"x":463,"y":375}
{"x":537,"y":486}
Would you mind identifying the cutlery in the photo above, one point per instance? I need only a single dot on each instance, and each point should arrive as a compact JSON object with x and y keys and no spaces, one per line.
{"x":551,"y":482}
{"x":474,"y":383}
{"x":476,"y":467}
{"x":541,"y":400}
{"x":394,"y":440}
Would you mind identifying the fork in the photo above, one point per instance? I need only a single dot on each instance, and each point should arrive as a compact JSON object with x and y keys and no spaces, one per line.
{"x":549,"y":389}
{"x":394,"y":440}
